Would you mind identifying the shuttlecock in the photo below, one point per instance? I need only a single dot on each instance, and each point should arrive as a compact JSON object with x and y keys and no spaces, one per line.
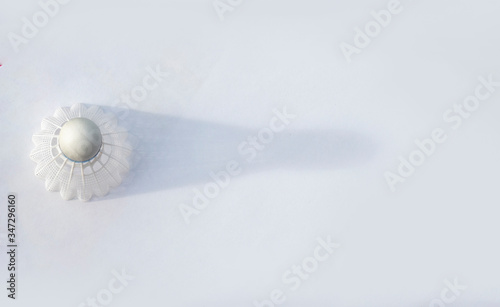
{"x":81,"y":151}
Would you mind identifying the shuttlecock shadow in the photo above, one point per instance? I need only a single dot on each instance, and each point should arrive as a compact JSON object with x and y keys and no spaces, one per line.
{"x":172,"y":151}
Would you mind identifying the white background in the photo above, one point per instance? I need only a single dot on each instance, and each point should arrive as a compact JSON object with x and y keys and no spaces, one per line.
{"x":324,"y":175}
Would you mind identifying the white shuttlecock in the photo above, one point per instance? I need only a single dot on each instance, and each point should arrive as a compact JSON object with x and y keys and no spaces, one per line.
{"x":81,"y":152}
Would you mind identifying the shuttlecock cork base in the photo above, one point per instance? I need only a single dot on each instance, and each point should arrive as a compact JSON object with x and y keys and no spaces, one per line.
{"x":81,"y":152}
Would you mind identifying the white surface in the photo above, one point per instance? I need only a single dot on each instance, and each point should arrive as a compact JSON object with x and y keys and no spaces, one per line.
{"x":323,"y":175}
